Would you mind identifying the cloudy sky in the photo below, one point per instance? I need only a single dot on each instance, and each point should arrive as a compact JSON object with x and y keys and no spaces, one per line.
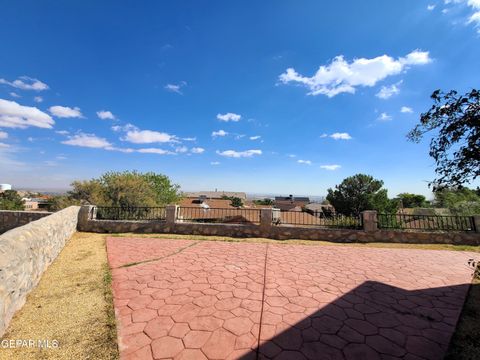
{"x":271,"y":97}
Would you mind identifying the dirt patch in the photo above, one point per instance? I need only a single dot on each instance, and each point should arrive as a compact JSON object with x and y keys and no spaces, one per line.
{"x":72,"y":304}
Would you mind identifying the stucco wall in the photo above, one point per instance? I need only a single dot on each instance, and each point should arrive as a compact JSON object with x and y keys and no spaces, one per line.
{"x":25,"y":253}
{"x":12,"y":219}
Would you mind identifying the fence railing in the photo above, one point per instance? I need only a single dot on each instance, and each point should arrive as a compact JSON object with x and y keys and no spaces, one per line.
{"x":425,"y":222}
{"x":317,"y":218}
{"x":218,"y":215}
{"x":131,"y":213}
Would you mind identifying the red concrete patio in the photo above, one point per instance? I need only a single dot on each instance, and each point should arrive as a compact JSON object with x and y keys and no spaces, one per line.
{"x":234,"y":300}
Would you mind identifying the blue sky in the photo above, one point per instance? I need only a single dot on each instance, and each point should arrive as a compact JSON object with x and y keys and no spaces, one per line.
{"x":267,"y":97}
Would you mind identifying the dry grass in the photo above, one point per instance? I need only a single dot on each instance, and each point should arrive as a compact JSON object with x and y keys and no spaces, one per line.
{"x":71,"y":304}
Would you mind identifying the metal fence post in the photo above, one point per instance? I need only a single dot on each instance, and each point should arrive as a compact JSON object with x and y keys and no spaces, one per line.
{"x":171,"y":214}
{"x":369,"y":220}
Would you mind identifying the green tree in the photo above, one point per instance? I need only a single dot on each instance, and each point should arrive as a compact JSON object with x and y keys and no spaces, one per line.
{"x":455,"y":145}
{"x":266,"y":202}
{"x":60,"y":202}
{"x":358,"y":193}
{"x":460,"y":200}
{"x":412,"y":200}
{"x":124,"y":189}
{"x":10,"y":200}
{"x":236,"y":202}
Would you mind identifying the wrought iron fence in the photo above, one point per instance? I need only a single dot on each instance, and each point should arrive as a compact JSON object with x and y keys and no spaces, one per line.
{"x":218,"y":215}
{"x":317,"y":218}
{"x":130,"y":213}
{"x":425,"y":222}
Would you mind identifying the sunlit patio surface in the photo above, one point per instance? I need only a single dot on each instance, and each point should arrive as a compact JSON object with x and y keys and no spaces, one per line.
{"x":187,"y":299}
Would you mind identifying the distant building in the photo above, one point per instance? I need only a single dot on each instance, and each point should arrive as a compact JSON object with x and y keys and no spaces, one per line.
{"x":215,"y":194}
{"x":5,"y":187}
{"x":39,"y":203}
{"x":291,"y":203}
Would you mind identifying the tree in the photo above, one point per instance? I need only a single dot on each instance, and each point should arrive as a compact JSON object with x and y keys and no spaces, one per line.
{"x":358,"y":193}
{"x":455,"y":146}
{"x":10,"y":200}
{"x":460,"y":200}
{"x":123,"y":189}
{"x":266,"y":202}
{"x":412,"y":200}
{"x":60,"y":202}
{"x":236,"y":201}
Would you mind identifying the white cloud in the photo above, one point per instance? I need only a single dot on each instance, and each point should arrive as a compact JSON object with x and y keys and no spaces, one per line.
{"x":176,"y":88}
{"x":340,"y":136}
{"x":105,"y":115}
{"x":62,"y":132}
{"x":219,"y":133}
{"x":181,"y":149}
{"x":137,"y":136}
{"x":14,"y":115}
{"x":388,"y":91}
{"x":475,"y":17}
{"x":239,"y":154}
{"x":406,"y":109}
{"x":384,"y":117}
{"x":26,"y":83}
{"x":330,"y":167}
{"x":430,"y":7}
{"x":38,"y":99}
{"x":215,"y":163}
{"x":340,"y":76}
{"x":189,"y":139}
{"x":229,"y":117}
{"x":255,"y":137}
{"x":198,"y":150}
{"x":292,"y":156}
{"x":14,"y":94}
{"x":155,"y":151}
{"x":3,"y":135}
{"x":306,"y":162}
{"x":87,"y":140}
{"x":65,"y":111}
{"x":3,"y":145}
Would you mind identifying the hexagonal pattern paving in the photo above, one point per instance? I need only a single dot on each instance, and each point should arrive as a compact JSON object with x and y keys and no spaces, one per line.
{"x":220,"y":300}
{"x":123,"y":251}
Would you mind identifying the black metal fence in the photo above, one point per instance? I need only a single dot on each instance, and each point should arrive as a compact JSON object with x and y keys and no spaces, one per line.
{"x":218,"y":215}
{"x":131,"y":213}
{"x":316,"y":218}
{"x":425,"y":222}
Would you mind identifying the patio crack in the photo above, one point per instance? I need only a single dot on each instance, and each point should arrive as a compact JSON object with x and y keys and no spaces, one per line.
{"x":159,"y":258}
{"x":263,"y":302}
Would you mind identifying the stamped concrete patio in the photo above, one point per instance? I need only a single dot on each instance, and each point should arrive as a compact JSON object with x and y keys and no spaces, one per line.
{"x":186,"y":299}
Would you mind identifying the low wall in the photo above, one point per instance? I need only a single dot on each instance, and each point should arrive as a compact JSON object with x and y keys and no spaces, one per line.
{"x":88,"y":223}
{"x":25,"y":253}
{"x":12,"y":219}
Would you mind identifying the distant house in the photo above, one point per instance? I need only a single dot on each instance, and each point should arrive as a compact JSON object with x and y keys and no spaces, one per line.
{"x":38,"y":203}
{"x":317,"y":208}
{"x":291,"y":203}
